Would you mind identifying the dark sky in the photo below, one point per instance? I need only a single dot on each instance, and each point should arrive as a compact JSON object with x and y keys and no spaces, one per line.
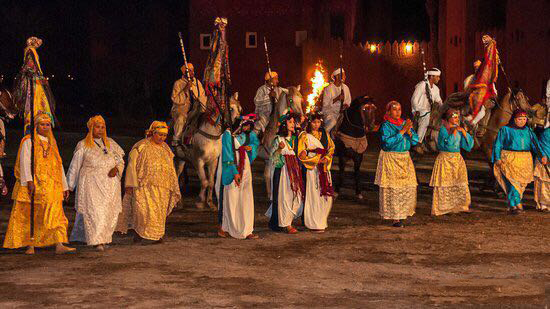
{"x":124,"y":54}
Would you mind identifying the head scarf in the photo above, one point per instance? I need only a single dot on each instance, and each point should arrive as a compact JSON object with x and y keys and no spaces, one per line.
{"x":157,"y":126}
{"x":42,"y":117}
{"x":387,"y":117}
{"x":268,"y":76}
{"x":517,"y":113}
{"x":448,"y":115}
{"x":89,"y":142}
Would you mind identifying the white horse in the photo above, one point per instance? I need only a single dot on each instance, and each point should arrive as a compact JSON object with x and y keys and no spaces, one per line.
{"x":293,"y":100}
{"x":204,"y":151}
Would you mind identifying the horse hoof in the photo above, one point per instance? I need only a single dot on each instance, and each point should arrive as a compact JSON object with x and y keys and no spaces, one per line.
{"x":359,"y":196}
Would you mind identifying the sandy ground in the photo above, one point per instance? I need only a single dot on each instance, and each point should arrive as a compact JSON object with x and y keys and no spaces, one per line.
{"x":483,"y":258}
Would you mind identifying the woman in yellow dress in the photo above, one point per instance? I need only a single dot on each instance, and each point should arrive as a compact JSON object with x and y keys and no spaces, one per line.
{"x":151,"y":186}
{"x":49,"y":187}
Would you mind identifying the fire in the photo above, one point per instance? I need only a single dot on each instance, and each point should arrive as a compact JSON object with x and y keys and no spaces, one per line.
{"x":318,"y":83}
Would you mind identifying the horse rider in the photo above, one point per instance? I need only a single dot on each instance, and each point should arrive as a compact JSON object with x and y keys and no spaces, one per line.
{"x":425,"y":96}
{"x":266,"y":97}
{"x":187,"y":94}
{"x":470,"y":77}
{"x":336,"y":98}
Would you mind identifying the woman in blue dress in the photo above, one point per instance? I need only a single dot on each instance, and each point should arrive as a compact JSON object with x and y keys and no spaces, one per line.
{"x":395,"y":174}
{"x":513,"y":158}
{"x":450,"y":176}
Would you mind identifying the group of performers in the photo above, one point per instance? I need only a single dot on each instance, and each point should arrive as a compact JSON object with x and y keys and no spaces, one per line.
{"x":300,"y":160}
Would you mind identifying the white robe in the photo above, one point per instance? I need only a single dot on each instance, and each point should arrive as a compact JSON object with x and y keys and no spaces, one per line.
{"x":98,"y":197}
{"x":316,"y":207}
{"x":290,"y":206}
{"x":330,"y":109}
{"x":421,"y":104}
{"x":238,"y":201}
{"x":263,"y":107}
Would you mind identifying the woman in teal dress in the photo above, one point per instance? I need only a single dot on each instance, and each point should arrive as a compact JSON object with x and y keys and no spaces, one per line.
{"x":450,"y":176}
{"x":542,"y":175}
{"x":513,"y":158}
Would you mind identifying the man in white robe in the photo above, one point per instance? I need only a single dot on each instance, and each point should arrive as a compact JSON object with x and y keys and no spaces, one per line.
{"x":95,"y":172}
{"x":183,"y":93}
{"x":420,"y":103}
{"x":336,"y":98}
{"x":266,"y":97}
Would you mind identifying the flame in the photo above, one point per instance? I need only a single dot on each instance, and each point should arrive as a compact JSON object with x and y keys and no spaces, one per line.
{"x":318,"y":83}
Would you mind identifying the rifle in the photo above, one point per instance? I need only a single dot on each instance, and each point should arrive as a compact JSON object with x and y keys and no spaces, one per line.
{"x":269,"y":72}
{"x":191,"y":96}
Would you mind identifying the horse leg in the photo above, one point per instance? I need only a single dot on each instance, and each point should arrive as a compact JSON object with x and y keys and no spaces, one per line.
{"x":210,"y":190}
{"x":204,"y":184}
{"x":180,"y":167}
{"x":267,"y":177}
{"x":341,"y":170}
{"x":357,"y":160}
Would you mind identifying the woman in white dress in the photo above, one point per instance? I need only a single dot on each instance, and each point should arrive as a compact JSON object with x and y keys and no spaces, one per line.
{"x":315,"y":150}
{"x":95,"y":173}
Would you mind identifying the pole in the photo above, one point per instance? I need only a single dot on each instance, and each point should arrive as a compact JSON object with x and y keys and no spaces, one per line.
{"x":31,"y":125}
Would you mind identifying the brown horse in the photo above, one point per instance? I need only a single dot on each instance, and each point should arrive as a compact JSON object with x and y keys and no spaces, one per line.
{"x":8,"y":109}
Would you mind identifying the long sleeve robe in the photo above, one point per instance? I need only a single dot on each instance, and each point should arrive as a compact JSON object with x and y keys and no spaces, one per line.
{"x":98,"y":197}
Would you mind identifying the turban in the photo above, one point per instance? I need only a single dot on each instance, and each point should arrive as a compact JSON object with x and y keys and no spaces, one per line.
{"x":434,"y":72}
{"x":189,"y":66}
{"x":268,"y":76}
{"x":337,"y":72}
{"x":90,"y":137}
{"x":477,"y":64}
{"x":42,"y":117}
{"x":34,"y":42}
{"x":157,"y":127}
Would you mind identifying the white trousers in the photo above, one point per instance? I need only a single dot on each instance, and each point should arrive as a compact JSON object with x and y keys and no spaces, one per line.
{"x":423,"y":123}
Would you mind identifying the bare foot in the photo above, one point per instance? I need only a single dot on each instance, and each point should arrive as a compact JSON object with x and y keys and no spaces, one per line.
{"x":252,"y":236}
{"x":62,"y":249}
{"x":100,"y":248}
{"x":222,"y":233}
{"x":30,"y":250}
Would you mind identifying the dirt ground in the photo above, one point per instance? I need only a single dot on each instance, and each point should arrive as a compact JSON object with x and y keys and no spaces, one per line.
{"x":482,"y":258}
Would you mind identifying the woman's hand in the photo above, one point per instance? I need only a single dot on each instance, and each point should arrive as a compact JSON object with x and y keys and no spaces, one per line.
{"x":237,"y":179}
{"x":113,"y":172}
{"x":30,"y":187}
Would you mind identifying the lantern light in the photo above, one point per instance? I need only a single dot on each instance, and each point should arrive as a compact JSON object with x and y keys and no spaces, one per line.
{"x":408,"y":48}
{"x":372,"y":48}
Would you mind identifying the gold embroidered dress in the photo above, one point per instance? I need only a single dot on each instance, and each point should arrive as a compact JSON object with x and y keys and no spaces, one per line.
{"x":450,"y":176}
{"x":50,"y":223}
{"x":395,"y":174}
{"x":156,"y":192}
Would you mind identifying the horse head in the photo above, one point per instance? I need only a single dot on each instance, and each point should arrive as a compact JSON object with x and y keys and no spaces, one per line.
{"x":293,"y":99}
{"x":235,"y":108}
